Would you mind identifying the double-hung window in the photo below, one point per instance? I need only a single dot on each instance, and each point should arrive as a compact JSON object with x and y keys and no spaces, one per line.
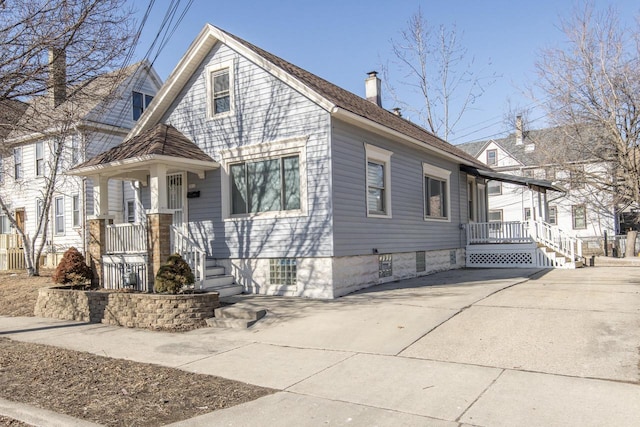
{"x":75,"y":210}
{"x":494,"y":188}
{"x":436,"y":192}
{"x":492,"y":157}
{"x":59,"y":215}
{"x":579,"y":214}
{"x":17,"y":163}
{"x":220,"y":87}
{"x":140,"y":102}
{"x":553,"y":215}
{"x":378,"y":181}
{"x":39,"y":158}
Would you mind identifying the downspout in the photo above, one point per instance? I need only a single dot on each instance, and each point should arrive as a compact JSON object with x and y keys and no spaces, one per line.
{"x":84,"y":216}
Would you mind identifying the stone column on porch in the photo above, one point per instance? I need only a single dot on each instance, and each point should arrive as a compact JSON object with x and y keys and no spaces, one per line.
{"x":159,"y":221}
{"x":97,"y":225}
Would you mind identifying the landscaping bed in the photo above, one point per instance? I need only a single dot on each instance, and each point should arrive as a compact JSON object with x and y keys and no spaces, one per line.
{"x":100,"y":389}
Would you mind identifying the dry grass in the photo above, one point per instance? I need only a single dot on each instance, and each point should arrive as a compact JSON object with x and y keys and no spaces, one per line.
{"x":109,"y":391}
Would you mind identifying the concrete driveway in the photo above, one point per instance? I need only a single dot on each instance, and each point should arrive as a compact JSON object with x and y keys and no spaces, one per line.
{"x":468,"y":347}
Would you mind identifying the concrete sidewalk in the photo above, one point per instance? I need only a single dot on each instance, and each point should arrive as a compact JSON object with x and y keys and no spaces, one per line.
{"x":483,"y":347}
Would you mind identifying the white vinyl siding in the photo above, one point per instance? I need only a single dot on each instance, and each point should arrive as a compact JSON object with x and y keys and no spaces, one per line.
{"x":378,"y":179}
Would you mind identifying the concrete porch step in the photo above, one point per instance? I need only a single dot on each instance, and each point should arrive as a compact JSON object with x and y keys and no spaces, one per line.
{"x":225,"y":290}
{"x":235,"y":317}
{"x":218,"y":280}
{"x":214,"y":271}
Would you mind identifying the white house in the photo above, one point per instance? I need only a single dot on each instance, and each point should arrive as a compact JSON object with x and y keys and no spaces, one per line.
{"x":580,"y":210}
{"x":88,"y":119}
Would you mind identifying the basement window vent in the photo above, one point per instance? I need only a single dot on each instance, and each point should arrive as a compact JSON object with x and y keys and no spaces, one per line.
{"x":385,"y":266}
{"x":421,"y":263}
{"x":283,"y":271}
{"x":452,"y":257}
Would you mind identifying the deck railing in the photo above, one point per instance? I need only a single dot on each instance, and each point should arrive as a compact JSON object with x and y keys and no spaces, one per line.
{"x":126,"y":239}
{"x":189,"y":249}
{"x":524,"y":232}
{"x":497,"y":232}
{"x":556,"y":239}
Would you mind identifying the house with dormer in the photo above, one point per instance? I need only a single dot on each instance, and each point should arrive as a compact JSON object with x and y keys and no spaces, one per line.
{"x":62,"y":129}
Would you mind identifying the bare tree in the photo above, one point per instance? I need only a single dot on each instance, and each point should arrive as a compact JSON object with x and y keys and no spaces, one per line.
{"x":433,"y":63}
{"x":52,"y":53}
{"x":593,"y":89}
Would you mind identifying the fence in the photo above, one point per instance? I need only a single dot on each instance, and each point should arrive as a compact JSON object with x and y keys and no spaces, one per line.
{"x":11,"y":253}
{"x":126,"y":239}
{"x":126,"y":272}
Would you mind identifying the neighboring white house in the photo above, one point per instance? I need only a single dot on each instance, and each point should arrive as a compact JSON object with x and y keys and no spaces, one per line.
{"x":580,"y":211}
{"x":92,"y":118}
{"x":292,"y":184}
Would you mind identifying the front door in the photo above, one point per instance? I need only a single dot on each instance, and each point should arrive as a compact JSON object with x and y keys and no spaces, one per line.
{"x":176,"y":198}
{"x":20,"y":218}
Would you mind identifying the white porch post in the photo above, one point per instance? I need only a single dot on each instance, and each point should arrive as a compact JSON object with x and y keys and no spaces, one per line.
{"x":546,"y":207}
{"x":100,"y":196}
{"x":158,"y":188}
{"x":541,"y":214}
{"x":533,"y":206}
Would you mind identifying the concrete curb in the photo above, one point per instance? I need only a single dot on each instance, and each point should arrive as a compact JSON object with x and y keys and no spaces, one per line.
{"x":40,"y":417}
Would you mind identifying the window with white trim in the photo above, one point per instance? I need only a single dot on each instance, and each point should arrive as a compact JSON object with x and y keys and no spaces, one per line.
{"x":266,"y":179}
{"x":494,"y":188}
{"x":553,"y":215}
{"x":378,"y":181}
{"x":220,"y":89}
{"x":59,"y":215}
{"x":265,"y":185}
{"x":75,"y":210}
{"x":492,"y":157}
{"x":471,"y":198}
{"x":39,"y":208}
{"x":17,"y":163}
{"x":140,"y":102}
{"x":131,"y":211}
{"x":527,"y":214}
{"x":436,"y":192}
{"x":5,"y":225}
{"x":39,"y":158}
{"x":579,"y":215}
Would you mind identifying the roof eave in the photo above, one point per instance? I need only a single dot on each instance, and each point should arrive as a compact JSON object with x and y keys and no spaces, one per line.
{"x":142,"y":162}
{"x":361,"y":121}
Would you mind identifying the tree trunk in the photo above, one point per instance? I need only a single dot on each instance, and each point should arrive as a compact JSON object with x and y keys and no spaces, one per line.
{"x":631,"y":243}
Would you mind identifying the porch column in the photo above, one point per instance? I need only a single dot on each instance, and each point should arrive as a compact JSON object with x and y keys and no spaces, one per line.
{"x":546,"y":207}
{"x":100,"y":196}
{"x":541,"y":214}
{"x":159,"y":221}
{"x":533,"y":206}
{"x":97,"y":226}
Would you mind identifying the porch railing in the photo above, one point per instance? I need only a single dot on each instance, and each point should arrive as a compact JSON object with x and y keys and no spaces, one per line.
{"x":497,"y":232}
{"x":556,"y":239}
{"x":189,"y":249}
{"x":126,"y":239}
{"x":525,"y":232}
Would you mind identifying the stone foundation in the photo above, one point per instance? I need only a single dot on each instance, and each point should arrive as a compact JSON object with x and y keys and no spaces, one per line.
{"x":132,"y":310}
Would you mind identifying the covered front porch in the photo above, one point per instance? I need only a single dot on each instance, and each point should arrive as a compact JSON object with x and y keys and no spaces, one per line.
{"x":129,"y":254}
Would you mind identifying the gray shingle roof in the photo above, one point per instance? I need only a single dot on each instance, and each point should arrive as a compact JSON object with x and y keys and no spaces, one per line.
{"x":162,"y":139}
{"x":358,"y":105}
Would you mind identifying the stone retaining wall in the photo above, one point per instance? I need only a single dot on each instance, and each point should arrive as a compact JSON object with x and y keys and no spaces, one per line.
{"x":133,"y":310}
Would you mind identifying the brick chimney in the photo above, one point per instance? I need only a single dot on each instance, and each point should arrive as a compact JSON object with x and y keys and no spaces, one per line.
{"x":57,"y":76}
{"x":372,"y":88}
{"x":519,"y":133}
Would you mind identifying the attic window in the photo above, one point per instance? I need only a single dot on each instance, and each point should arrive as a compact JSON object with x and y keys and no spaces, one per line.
{"x":220,"y":87}
{"x":140,"y":102}
{"x":492,"y":157}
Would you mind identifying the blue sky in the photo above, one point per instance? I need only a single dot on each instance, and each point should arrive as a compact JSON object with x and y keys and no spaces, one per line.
{"x":342,"y":40}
